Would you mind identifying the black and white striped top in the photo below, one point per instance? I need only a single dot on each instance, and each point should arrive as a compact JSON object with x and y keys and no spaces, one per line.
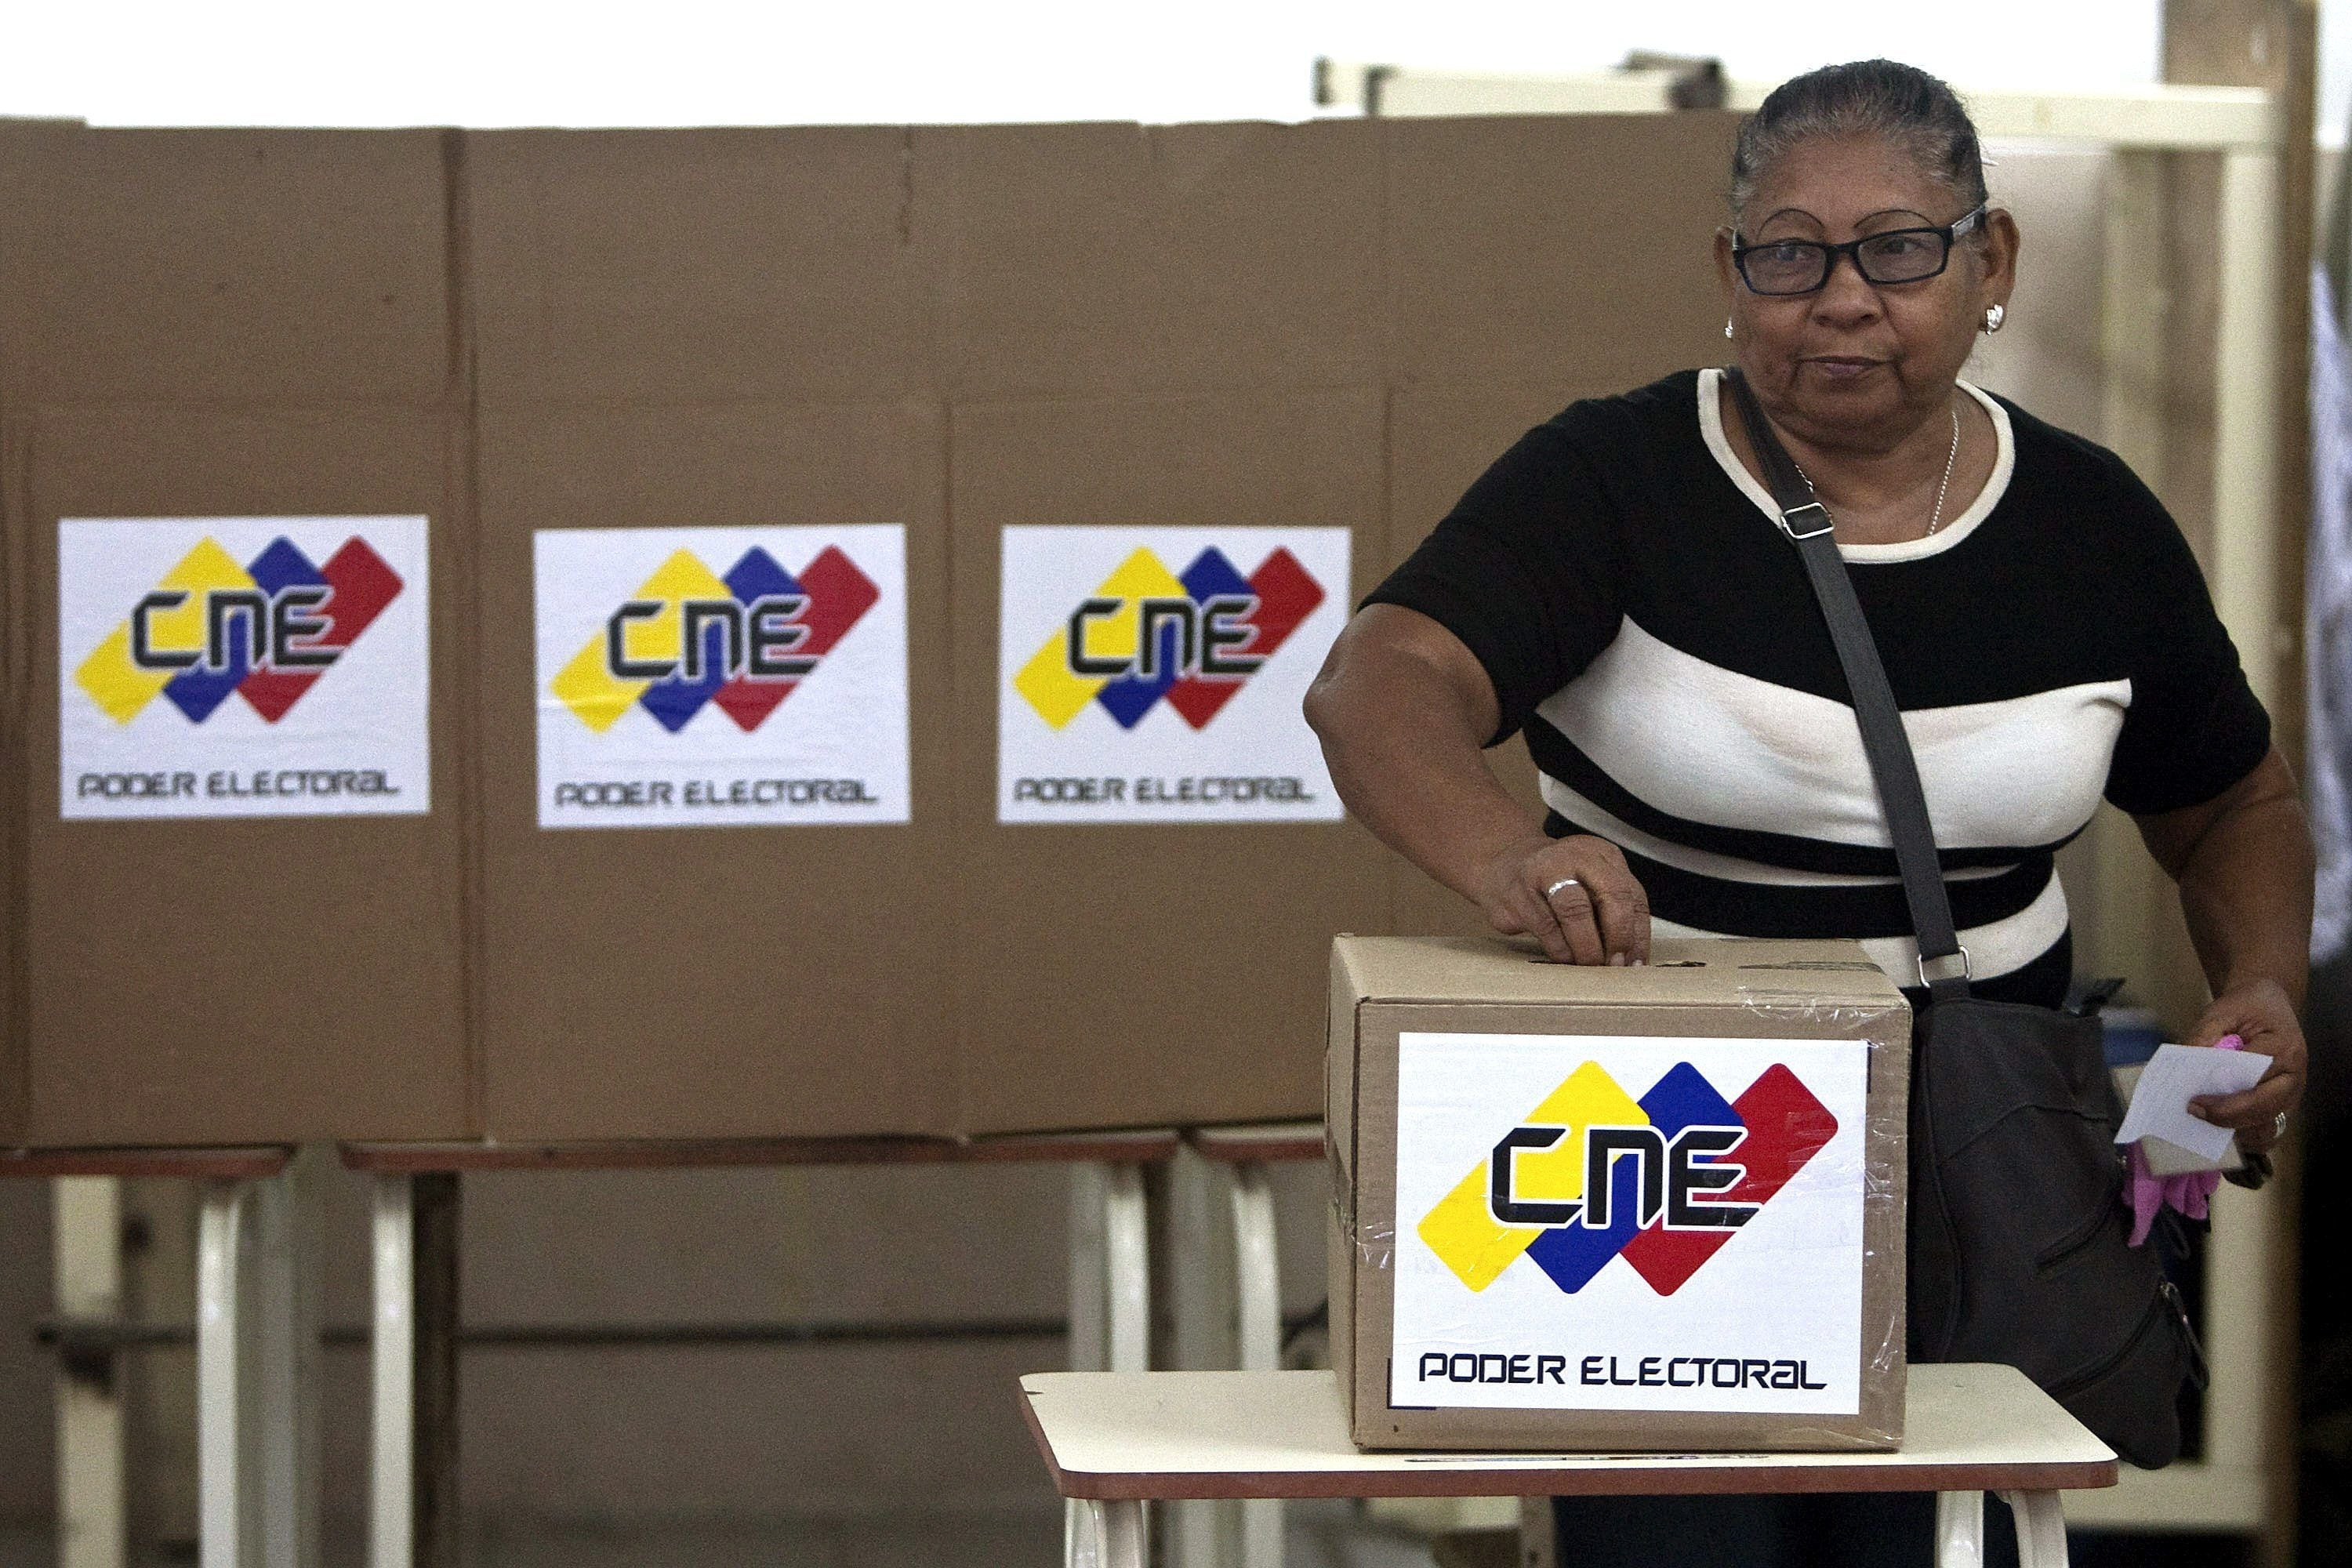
{"x":1619,"y":574}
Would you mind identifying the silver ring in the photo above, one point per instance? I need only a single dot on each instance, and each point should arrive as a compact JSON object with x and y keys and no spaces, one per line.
{"x":2278,"y":1125}
{"x":1555,"y":887}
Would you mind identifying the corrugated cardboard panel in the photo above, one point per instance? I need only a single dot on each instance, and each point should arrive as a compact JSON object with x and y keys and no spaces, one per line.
{"x":19,"y":160}
{"x":712,"y":981}
{"x":228,"y":980}
{"x":15,"y":699}
{"x":1529,"y":248}
{"x":222,"y":266}
{"x":690,"y":264}
{"x":707,"y":327}
{"x":1102,"y":257}
{"x":207,"y":323}
{"x":1110,"y":975}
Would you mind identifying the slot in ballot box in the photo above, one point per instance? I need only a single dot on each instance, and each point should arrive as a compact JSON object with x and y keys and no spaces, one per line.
{"x":1625,"y":1209}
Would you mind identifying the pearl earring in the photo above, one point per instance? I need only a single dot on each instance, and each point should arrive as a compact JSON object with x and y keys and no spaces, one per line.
{"x":1994,"y":315}
{"x":1727,"y":329}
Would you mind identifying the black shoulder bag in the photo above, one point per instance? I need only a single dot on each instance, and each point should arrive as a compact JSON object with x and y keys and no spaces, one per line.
{"x":2020,"y":1244}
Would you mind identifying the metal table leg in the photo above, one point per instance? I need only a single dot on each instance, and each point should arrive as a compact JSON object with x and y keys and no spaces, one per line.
{"x":1258,"y":1279}
{"x":2040,"y":1528}
{"x":1127,"y":1247}
{"x":1202,"y":1532}
{"x":1089,"y":1272}
{"x":1089,"y":1319}
{"x":1110,"y":1269}
{"x":1959,"y":1530}
{"x":1110,"y":1302}
{"x":392,"y":1379}
{"x":1119,"y":1530}
{"x":412,"y":1472}
{"x":227,"y":1458}
{"x":286,"y":1415}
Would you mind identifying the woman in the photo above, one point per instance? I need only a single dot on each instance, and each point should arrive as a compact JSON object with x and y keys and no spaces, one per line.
{"x":1616,"y":586}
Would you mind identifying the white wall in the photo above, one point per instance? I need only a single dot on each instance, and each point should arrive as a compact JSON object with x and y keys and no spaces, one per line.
{"x":2334,"y":71}
{"x":504,"y":62}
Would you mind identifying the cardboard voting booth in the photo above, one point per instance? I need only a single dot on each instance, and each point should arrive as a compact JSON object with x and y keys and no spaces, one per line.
{"x":232,"y":888}
{"x":1639,"y":1209}
{"x":555,"y":635}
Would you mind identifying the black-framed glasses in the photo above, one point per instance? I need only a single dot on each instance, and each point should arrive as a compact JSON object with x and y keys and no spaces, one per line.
{"x":1897,"y":256}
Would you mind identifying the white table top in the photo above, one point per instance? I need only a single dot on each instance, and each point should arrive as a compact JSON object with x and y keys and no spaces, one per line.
{"x":1283,"y":1435}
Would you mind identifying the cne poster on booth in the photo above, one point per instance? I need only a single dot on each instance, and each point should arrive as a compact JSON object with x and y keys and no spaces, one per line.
{"x":715,"y":676}
{"x":243,"y":666}
{"x":1621,"y":1223}
{"x":1155,"y":674}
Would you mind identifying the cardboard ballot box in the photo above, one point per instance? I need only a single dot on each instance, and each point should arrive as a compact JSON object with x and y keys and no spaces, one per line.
{"x":1626,"y":1209}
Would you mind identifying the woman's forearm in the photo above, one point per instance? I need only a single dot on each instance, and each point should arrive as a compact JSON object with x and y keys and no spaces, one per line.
{"x":2243,"y":863}
{"x":2244,"y":870}
{"x":1403,"y":709}
{"x":2246,"y":892}
{"x":1403,"y":745}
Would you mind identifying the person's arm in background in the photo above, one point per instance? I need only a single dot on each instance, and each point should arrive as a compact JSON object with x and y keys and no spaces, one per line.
{"x":1403,"y":708}
{"x":2243,"y":864}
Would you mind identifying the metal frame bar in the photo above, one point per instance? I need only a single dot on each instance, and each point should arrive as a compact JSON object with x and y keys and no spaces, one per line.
{"x":81,"y":1338}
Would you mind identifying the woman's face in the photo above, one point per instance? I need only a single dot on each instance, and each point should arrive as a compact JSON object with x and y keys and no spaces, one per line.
{"x":1857,"y":363}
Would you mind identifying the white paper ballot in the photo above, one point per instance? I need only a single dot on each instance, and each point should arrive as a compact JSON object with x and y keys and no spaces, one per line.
{"x":2175,"y":1076}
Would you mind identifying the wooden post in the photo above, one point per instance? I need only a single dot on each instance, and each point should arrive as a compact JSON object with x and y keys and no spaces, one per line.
{"x":2274,"y":45}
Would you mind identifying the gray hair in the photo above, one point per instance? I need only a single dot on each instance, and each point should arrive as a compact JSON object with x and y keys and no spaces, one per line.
{"x":1898,"y":103}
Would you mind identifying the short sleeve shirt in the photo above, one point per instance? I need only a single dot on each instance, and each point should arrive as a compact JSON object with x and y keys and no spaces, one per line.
{"x":1645,"y":623}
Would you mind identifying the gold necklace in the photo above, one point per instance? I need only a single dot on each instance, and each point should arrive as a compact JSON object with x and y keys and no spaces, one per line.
{"x":1935,"y":518}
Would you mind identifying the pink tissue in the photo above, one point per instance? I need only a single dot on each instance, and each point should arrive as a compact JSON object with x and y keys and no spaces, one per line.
{"x":2188,"y":1193}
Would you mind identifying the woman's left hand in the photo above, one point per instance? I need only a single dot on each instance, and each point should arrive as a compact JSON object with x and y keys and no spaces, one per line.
{"x":2263,"y":1018}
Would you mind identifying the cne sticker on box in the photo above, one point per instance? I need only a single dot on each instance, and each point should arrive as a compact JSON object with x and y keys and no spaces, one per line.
{"x":1622,"y":1209}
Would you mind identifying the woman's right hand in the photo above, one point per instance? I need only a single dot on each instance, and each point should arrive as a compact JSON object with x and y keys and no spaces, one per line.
{"x":1574,"y":895}
{"x":1405,"y":711}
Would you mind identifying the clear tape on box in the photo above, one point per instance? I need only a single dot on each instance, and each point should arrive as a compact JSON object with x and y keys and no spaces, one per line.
{"x":1874,"y":1161}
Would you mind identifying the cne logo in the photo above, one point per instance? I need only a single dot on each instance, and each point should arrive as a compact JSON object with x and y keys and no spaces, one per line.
{"x":741,"y":642}
{"x":267,"y":631}
{"x":1593,"y":1174}
{"x":1193,"y":638}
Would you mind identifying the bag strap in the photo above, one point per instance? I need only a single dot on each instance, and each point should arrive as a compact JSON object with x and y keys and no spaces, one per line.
{"x":1943,"y":963}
